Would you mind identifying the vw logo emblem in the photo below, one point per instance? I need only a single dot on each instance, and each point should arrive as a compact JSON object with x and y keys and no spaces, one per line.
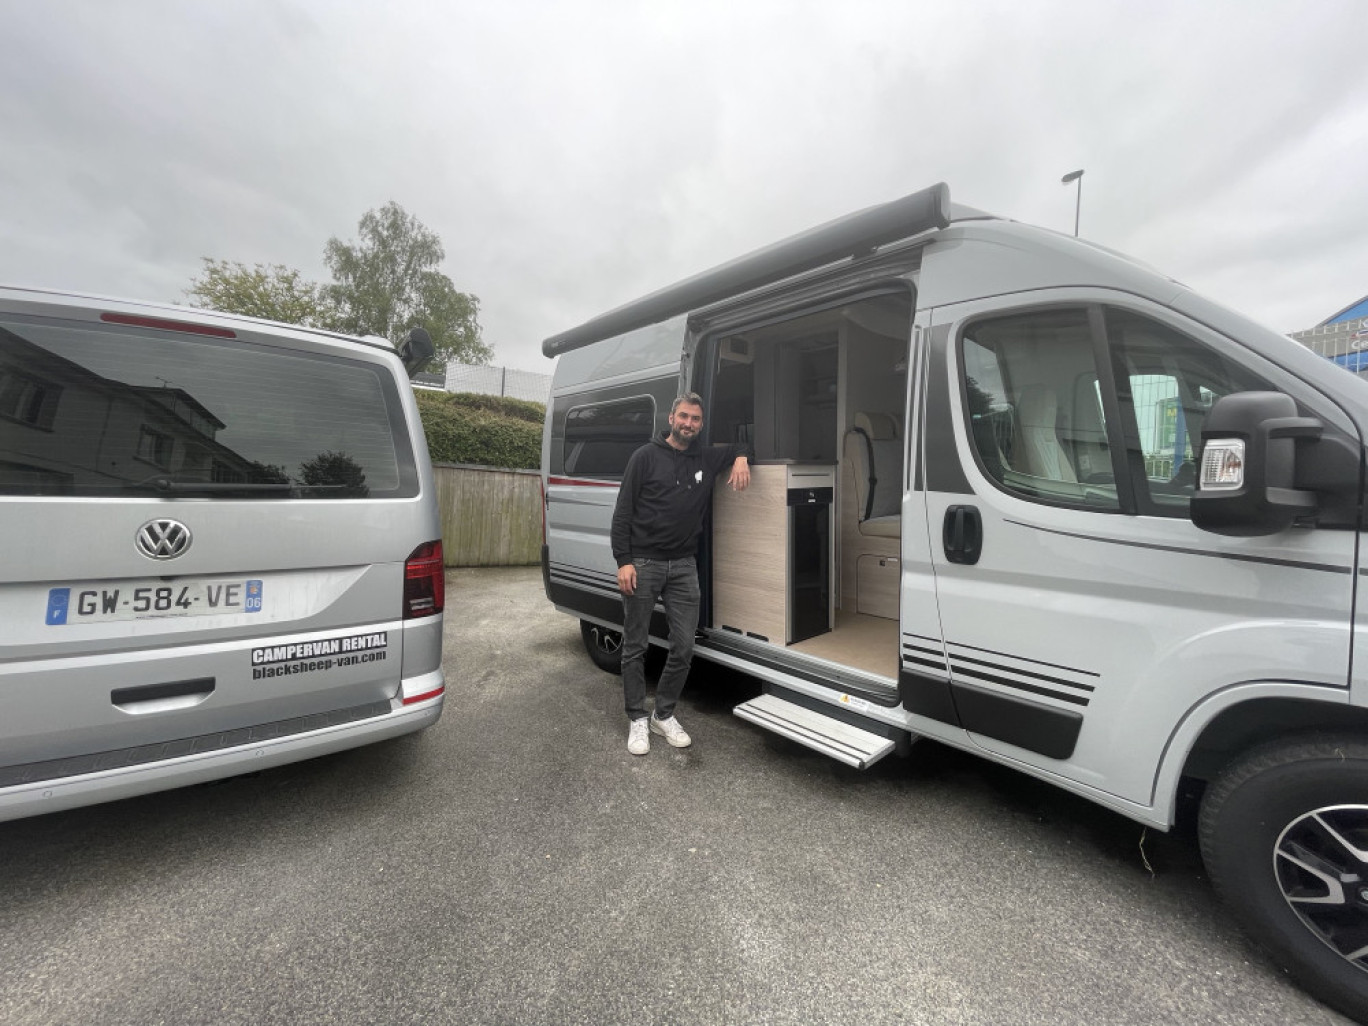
{"x":162,"y":539}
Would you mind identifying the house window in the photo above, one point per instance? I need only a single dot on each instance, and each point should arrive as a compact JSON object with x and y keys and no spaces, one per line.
{"x":155,"y":447}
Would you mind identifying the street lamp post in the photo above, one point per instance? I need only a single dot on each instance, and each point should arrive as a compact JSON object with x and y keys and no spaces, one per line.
{"x":1075,"y":176}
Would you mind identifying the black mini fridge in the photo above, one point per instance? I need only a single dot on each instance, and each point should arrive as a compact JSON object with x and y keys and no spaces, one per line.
{"x":809,"y":559}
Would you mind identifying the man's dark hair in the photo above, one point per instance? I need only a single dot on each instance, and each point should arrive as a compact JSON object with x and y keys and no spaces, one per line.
{"x":692,"y":398}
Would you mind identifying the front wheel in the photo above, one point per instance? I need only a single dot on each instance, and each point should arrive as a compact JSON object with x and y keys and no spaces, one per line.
{"x":1284,"y":836}
{"x":604,"y":646}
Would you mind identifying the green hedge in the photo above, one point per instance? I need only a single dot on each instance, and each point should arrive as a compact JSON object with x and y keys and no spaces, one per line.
{"x":486,"y":430}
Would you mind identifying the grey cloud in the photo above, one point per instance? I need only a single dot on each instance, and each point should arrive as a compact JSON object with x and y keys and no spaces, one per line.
{"x":574,"y":156}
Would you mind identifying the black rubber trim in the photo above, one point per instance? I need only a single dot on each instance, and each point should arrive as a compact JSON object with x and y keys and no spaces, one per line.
{"x":143,"y":755}
{"x":171,"y":689}
{"x":838,"y":713}
{"x":927,"y":696}
{"x":944,"y":471}
{"x":1029,"y":725}
{"x":546,"y":569}
{"x":917,"y":391}
{"x":596,"y":606}
{"x":720,"y":643}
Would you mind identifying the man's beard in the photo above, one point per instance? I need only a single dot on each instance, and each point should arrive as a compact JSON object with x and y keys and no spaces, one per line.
{"x":674,"y":434}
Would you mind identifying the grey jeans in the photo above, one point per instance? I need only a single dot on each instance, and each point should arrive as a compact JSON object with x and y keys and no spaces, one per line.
{"x":675,"y":582}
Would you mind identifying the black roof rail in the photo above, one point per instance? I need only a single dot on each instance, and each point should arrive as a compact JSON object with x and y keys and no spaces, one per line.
{"x":853,"y":235}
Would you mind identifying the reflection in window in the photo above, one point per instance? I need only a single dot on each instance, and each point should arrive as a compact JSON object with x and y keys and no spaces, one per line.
{"x":105,"y":404}
{"x":27,"y":399}
{"x":1171,"y":384}
{"x":599,"y":439}
{"x":155,"y":447}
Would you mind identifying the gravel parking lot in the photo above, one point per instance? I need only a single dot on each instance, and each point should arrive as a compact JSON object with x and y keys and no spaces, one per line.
{"x":515,"y":864}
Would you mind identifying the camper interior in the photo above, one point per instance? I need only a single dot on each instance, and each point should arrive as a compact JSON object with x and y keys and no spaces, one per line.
{"x":807,"y":559}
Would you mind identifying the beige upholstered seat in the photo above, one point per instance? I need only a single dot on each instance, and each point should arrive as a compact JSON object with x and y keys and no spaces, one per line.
{"x":875,"y":453}
{"x":1037,"y":450}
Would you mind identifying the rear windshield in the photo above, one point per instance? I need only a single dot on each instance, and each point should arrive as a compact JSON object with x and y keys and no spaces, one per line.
{"x":106,"y":410}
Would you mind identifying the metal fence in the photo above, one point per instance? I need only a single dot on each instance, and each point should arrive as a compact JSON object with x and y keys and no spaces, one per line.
{"x":490,"y":517}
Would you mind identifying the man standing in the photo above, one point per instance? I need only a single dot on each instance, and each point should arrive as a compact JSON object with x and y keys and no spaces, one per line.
{"x":665,"y":494}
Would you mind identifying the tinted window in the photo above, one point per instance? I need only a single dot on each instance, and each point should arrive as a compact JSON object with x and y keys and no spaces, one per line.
{"x":600,"y":438}
{"x":1171,"y":382}
{"x":101,"y":410}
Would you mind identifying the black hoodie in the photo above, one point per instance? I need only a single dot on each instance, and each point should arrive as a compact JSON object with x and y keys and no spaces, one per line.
{"x":664,"y":496}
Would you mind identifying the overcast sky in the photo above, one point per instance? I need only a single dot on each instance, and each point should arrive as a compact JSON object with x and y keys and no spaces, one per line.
{"x":572,"y":156}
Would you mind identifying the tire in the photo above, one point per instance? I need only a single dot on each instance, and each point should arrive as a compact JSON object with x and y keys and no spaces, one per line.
{"x":1284,"y":836}
{"x":604,"y":646}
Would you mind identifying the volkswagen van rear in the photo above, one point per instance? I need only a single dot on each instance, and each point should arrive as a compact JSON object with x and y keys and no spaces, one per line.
{"x":221,"y":549}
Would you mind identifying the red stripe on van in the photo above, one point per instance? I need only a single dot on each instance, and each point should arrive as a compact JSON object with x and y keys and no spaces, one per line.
{"x":582,"y":481}
{"x":424,"y":696}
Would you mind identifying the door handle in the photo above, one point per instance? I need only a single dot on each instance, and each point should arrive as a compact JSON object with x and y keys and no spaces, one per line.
{"x":963,"y":534}
{"x":155,"y":698}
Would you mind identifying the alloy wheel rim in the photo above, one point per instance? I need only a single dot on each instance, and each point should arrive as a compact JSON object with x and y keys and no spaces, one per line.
{"x":1320,"y":861}
{"x":606,"y":640}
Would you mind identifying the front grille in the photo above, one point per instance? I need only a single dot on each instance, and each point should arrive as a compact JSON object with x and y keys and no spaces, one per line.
{"x":98,"y":762}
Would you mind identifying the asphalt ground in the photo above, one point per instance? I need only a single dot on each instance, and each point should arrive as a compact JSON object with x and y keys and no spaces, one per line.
{"x":514,"y":864}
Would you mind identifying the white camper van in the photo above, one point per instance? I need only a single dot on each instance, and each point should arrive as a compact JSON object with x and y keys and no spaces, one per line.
{"x":219,"y":548}
{"x":1027,"y":497}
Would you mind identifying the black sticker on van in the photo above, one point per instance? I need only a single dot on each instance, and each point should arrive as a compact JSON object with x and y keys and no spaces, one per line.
{"x":317,"y":656}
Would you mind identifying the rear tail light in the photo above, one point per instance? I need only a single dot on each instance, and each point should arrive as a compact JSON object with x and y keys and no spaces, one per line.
{"x":424,"y":581}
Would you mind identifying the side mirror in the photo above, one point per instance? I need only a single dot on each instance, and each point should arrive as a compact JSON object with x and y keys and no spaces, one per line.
{"x":1248,"y":463}
{"x":417,"y":351}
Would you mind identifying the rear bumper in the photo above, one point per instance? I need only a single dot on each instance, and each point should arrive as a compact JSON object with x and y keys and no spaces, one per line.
{"x":69,"y":792}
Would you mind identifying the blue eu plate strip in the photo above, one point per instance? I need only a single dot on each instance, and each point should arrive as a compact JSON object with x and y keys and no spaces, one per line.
{"x":58,"y":601}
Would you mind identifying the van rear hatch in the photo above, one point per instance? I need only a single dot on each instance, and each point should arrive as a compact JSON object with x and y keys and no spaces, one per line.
{"x":211,"y":533}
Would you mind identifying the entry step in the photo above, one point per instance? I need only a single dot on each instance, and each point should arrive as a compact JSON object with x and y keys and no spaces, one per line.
{"x":841,"y":741}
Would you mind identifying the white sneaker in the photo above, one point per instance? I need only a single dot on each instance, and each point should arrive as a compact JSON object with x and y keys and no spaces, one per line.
{"x":671,"y":730}
{"x":638,"y":739}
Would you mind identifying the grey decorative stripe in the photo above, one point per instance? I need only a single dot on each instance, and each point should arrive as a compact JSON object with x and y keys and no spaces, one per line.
{"x":959,"y":660}
{"x":961,"y":672}
{"x":1062,"y":682}
{"x":1024,"y":659}
{"x":144,"y":755}
{"x":595,"y":579}
{"x":925,"y":655}
{"x":1328,"y":568}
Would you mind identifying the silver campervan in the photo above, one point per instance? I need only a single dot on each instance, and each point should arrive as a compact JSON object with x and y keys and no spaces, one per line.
{"x":1027,"y":497}
{"x":219,"y":548}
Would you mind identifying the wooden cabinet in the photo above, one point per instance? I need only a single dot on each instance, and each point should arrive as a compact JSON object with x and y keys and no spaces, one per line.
{"x":754,"y":584}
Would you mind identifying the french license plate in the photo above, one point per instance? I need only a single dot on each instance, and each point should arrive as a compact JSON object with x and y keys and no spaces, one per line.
{"x":139,"y":600}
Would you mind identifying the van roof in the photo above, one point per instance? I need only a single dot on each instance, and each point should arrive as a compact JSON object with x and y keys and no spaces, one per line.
{"x":190,"y":314}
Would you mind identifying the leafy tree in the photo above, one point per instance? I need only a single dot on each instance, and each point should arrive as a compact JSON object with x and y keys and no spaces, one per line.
{"x":383,"y":284}
{"x":273,"y":291}
{"x":335,"y":470}
{"x":386,"y":283}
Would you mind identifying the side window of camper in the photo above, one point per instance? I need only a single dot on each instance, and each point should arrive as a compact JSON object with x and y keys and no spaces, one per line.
{"x":1171,"y":382}
{"x":1034,"y":407}
{"x":600,"y":437}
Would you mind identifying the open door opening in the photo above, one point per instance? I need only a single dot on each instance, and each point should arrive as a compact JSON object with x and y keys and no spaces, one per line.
{"x":806,"y":562}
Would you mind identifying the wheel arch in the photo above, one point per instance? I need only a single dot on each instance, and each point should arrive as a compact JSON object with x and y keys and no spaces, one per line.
{"x":1242,"y":717}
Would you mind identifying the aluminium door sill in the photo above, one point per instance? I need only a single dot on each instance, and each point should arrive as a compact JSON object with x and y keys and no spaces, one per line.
{"x":841,"y":741}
